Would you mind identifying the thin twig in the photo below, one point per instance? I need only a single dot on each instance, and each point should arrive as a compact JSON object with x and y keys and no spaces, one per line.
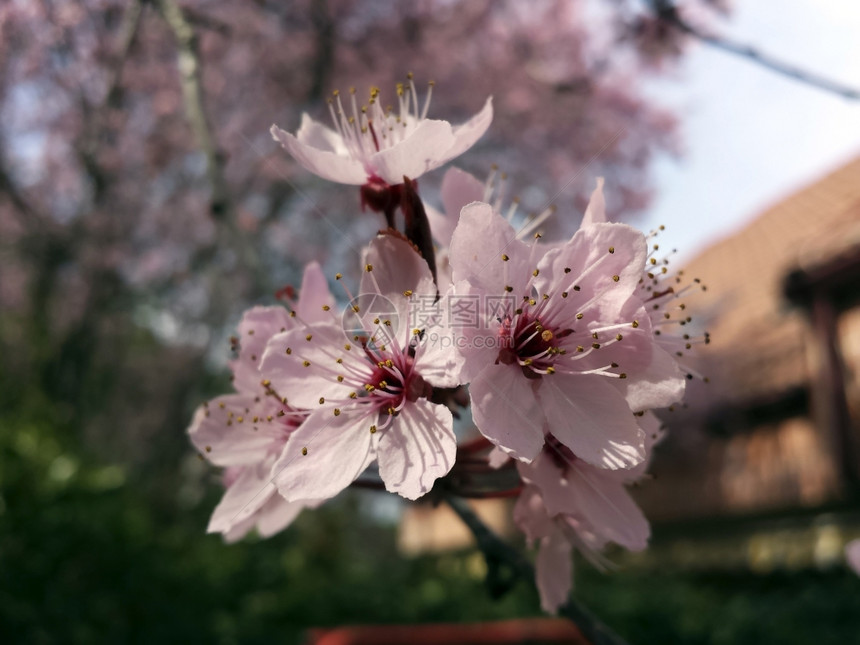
{"x":668,"y":13}
{"x":496,"y":551}
{"x":188,"y":62}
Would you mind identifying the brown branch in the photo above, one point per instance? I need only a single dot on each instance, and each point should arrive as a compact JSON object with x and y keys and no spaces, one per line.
{"x":501,"y":556}
{"x":668,"y":13}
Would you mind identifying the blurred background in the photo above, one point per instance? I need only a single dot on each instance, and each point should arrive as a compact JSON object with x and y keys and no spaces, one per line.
{"x":143,"y":206}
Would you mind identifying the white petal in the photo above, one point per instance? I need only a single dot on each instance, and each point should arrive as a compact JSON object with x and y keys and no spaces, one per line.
{"x":422,"y":150}
{"x":315,"y":134}
{"x":326,"y":164}
{"x":467,"y":134}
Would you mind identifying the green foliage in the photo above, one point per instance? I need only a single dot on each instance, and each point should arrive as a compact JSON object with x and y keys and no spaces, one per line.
{"x":88,"y":556}
{"x":726,"y":608}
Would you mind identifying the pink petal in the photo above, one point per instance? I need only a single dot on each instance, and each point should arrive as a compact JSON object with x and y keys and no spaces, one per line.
{"x":593,"y":268}
{"x":530,"y":515}
{"x":459,"y":189}
{"x":324,"y":163}
{"x":506,"y":411}
{"x":602,"y":501}
{"x":545,"y":475}
{"x":467,"y":134}
{"x":478,"y":344}
{"x":397,"y":267}
{"x":852,"y":555}
{"x":591,"y":418}
{"x":554,"y":571}
{"x":438,"y":361}
{"x":422,"y":150}
{"x":241,"y":501}
{"x":660,"y":385}
{"x":278,"y":514}
{"x":478,"y":245}
{"x":224,"y":440}
{"x":303,"y":385}
{"x":441,"y":227}
{"x":596,"y":211}
{"x":324,"y":456}
{"x":313,"y":295}
{"x":416,"y":449}
{"x":257,"y":326}
{"x":654,"y":433}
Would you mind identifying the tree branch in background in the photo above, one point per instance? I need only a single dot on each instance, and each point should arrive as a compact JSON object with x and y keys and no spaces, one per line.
{"x":505,"y":564}
{"x":220,"y":205}
{"x":667,"y":12}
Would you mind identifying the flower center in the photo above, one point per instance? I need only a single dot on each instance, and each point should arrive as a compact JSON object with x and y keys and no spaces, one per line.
{"x":369,"y":128}
{"x":527,"y":342}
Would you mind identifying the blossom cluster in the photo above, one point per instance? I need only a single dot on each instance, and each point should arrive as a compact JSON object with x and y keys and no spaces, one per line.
{"x":563,"y":347}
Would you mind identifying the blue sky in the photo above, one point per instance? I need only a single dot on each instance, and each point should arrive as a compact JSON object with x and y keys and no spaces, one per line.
{"x":752,"y":136}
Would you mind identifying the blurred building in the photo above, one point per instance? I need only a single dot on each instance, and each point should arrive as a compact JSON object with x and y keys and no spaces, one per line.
{"x":777,"y":427}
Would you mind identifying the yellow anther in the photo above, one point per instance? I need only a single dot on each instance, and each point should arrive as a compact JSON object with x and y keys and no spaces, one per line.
{"x":304,"y":451}
{"x":616,"y":278}
{"x":337,"y":412}
{"x":505,"y":257}
{"x":546,"y":334}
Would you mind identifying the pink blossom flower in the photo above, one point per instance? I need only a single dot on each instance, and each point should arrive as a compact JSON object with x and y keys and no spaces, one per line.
{"x":370,"y":393}
{"x":459,"y":189}
{"x":566,"y":348}
{"x":374,"y":143}
{"x":246,"y":432}
{"x":662,"y":292}
{"x":567,"y":503}
{"x":852,"y":555}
